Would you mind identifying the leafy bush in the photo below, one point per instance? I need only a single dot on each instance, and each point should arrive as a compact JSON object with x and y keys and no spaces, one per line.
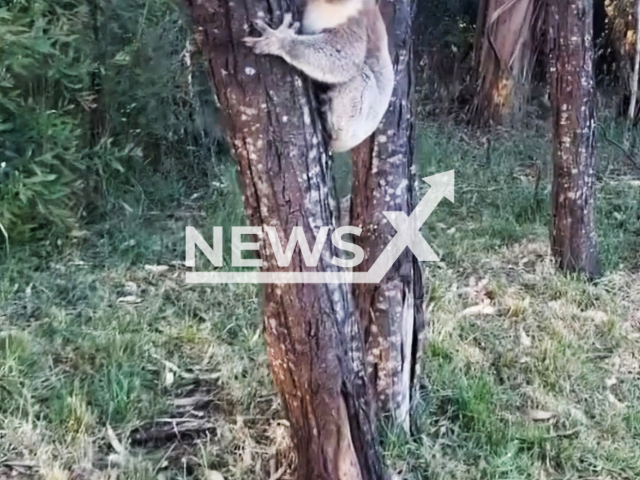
{"x":95,"y":96}
{"x":43,"y":84}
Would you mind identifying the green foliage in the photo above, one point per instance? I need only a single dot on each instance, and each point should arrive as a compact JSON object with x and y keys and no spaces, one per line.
{"x":95,"y":97}
{"x":43,"y":77}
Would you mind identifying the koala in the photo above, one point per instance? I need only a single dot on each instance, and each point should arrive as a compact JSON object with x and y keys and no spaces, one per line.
{"x":344,"y":46}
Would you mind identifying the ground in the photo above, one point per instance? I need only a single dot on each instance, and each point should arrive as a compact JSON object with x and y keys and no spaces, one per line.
{"x":112,"y":367}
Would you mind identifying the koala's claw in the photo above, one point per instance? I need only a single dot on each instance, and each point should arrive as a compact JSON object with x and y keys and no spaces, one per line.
{"x":288,"y":27}
{"x":287,"y":22}
{"x":271,"y":40}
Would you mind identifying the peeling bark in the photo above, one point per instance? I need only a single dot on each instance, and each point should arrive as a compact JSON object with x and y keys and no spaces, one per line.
{"x":506,"y":36}
{"x":313,"y":336}
{"x":391,"y":312}
{"x":573,"y":237}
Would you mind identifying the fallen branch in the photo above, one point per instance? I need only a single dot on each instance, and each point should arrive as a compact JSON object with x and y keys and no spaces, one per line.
{"x":176,"y":430}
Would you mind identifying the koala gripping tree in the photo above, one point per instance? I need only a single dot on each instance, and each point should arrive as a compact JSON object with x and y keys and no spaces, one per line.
{"x":317,"y":342}
{"x":314,"y":337}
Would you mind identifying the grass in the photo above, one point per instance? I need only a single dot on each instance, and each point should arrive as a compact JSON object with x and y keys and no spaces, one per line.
{"x":103,"y":357}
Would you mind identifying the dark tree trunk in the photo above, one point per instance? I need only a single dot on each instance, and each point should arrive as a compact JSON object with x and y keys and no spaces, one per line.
{"x":313,"y":336}
{"x":391,"y":312}
{"x":573,"y":237}
{"x":96,"y":113}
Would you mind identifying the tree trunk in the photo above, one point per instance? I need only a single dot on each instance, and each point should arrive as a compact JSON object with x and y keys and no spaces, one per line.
{"x":573,"y":237}
{"x":313,"y":336}
{"x":506,"y":36}
{"x":631,"y":113}
{"x":391,"y":312}
{"x":96,"y":113}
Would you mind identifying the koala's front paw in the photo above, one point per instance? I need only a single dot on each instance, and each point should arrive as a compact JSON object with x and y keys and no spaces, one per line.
{"x":271,"y":41}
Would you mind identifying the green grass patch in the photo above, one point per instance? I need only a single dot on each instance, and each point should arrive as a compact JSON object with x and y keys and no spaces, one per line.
{"x":99,"y":353}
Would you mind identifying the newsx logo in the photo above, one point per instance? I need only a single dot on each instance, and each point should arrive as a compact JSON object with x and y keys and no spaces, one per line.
{"x":407,"y":235}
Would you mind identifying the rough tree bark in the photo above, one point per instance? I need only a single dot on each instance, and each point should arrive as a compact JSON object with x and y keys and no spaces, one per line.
{"x":573,"y":237}
{"x":506,"y":36}
{"x":631,"y":113}
{"x":312,"y":333}
{"x":391,"y":312}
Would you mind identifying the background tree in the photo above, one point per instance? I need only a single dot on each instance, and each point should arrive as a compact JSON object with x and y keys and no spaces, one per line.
{"x":507,"y":33}
{"x":573,"y":237}
{"x":617,"y":42}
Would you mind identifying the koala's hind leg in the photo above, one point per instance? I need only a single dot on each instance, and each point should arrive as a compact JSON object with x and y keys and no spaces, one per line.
{"x":352,"y":113}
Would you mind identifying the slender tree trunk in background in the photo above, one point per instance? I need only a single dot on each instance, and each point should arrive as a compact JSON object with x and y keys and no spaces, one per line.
{"x":313,"y":336}
{"x":391,"y":312}
{"x":506,"y":36}
{"x":573,"y":237}
{"x":96,"y":113}
{"x":631,"y":114}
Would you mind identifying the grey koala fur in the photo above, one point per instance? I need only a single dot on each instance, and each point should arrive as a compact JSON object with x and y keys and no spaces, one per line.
{"x":343,"y":45}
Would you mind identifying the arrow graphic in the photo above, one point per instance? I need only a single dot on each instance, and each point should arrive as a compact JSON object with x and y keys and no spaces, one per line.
{"x":408,"y":228}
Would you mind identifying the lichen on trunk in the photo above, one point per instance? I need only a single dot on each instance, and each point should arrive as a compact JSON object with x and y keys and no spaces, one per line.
{"x":573,"y":236}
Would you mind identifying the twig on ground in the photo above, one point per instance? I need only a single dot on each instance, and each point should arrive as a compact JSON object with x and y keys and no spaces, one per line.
{"x":627,"y":155}
{"x":155,"y":433}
